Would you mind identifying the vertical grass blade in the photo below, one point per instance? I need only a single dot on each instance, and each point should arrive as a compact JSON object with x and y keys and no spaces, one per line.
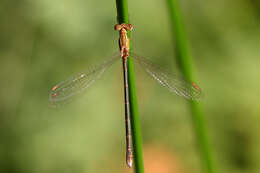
{"x":184,"y":62}
{"x":122,"y":15}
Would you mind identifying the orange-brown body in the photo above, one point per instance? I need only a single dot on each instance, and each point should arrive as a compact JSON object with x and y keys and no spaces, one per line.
{"x":124,"y":53}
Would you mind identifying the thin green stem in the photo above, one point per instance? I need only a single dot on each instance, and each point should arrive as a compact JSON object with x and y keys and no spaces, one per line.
{"x":122,"y":15}
{"x":184,"y":60}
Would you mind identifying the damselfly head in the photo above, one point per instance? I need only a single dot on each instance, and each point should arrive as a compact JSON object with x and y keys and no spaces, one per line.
{"x":125,"y":26}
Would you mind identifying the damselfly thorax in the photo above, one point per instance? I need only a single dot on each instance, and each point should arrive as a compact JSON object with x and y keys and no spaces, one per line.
{"x":124,"y":40}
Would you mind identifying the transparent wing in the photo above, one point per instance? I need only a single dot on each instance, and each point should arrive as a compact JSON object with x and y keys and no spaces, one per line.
{"x":174,"y":83}
{"x":76,"y":84}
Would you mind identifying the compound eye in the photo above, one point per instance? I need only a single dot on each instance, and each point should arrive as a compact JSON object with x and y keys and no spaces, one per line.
{"x":130,"y":27}
{"x":118,"y":27}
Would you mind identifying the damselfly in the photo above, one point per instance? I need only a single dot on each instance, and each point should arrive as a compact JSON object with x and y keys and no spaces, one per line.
{"x":76,"y":84}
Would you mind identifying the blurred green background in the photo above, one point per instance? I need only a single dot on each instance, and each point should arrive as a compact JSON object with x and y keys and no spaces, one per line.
{"x":45,"y":41}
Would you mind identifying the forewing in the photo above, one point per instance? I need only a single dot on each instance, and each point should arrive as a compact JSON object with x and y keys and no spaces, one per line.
{"x":77,"y":83}
{"x":172,"y":82}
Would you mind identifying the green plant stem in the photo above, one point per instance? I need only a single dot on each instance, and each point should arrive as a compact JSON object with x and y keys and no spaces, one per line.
{"x":184,"y":62}
{"x":122,"y":15}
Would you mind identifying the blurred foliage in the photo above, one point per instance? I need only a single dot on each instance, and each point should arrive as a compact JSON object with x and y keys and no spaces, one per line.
{"x":43,"y":42}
